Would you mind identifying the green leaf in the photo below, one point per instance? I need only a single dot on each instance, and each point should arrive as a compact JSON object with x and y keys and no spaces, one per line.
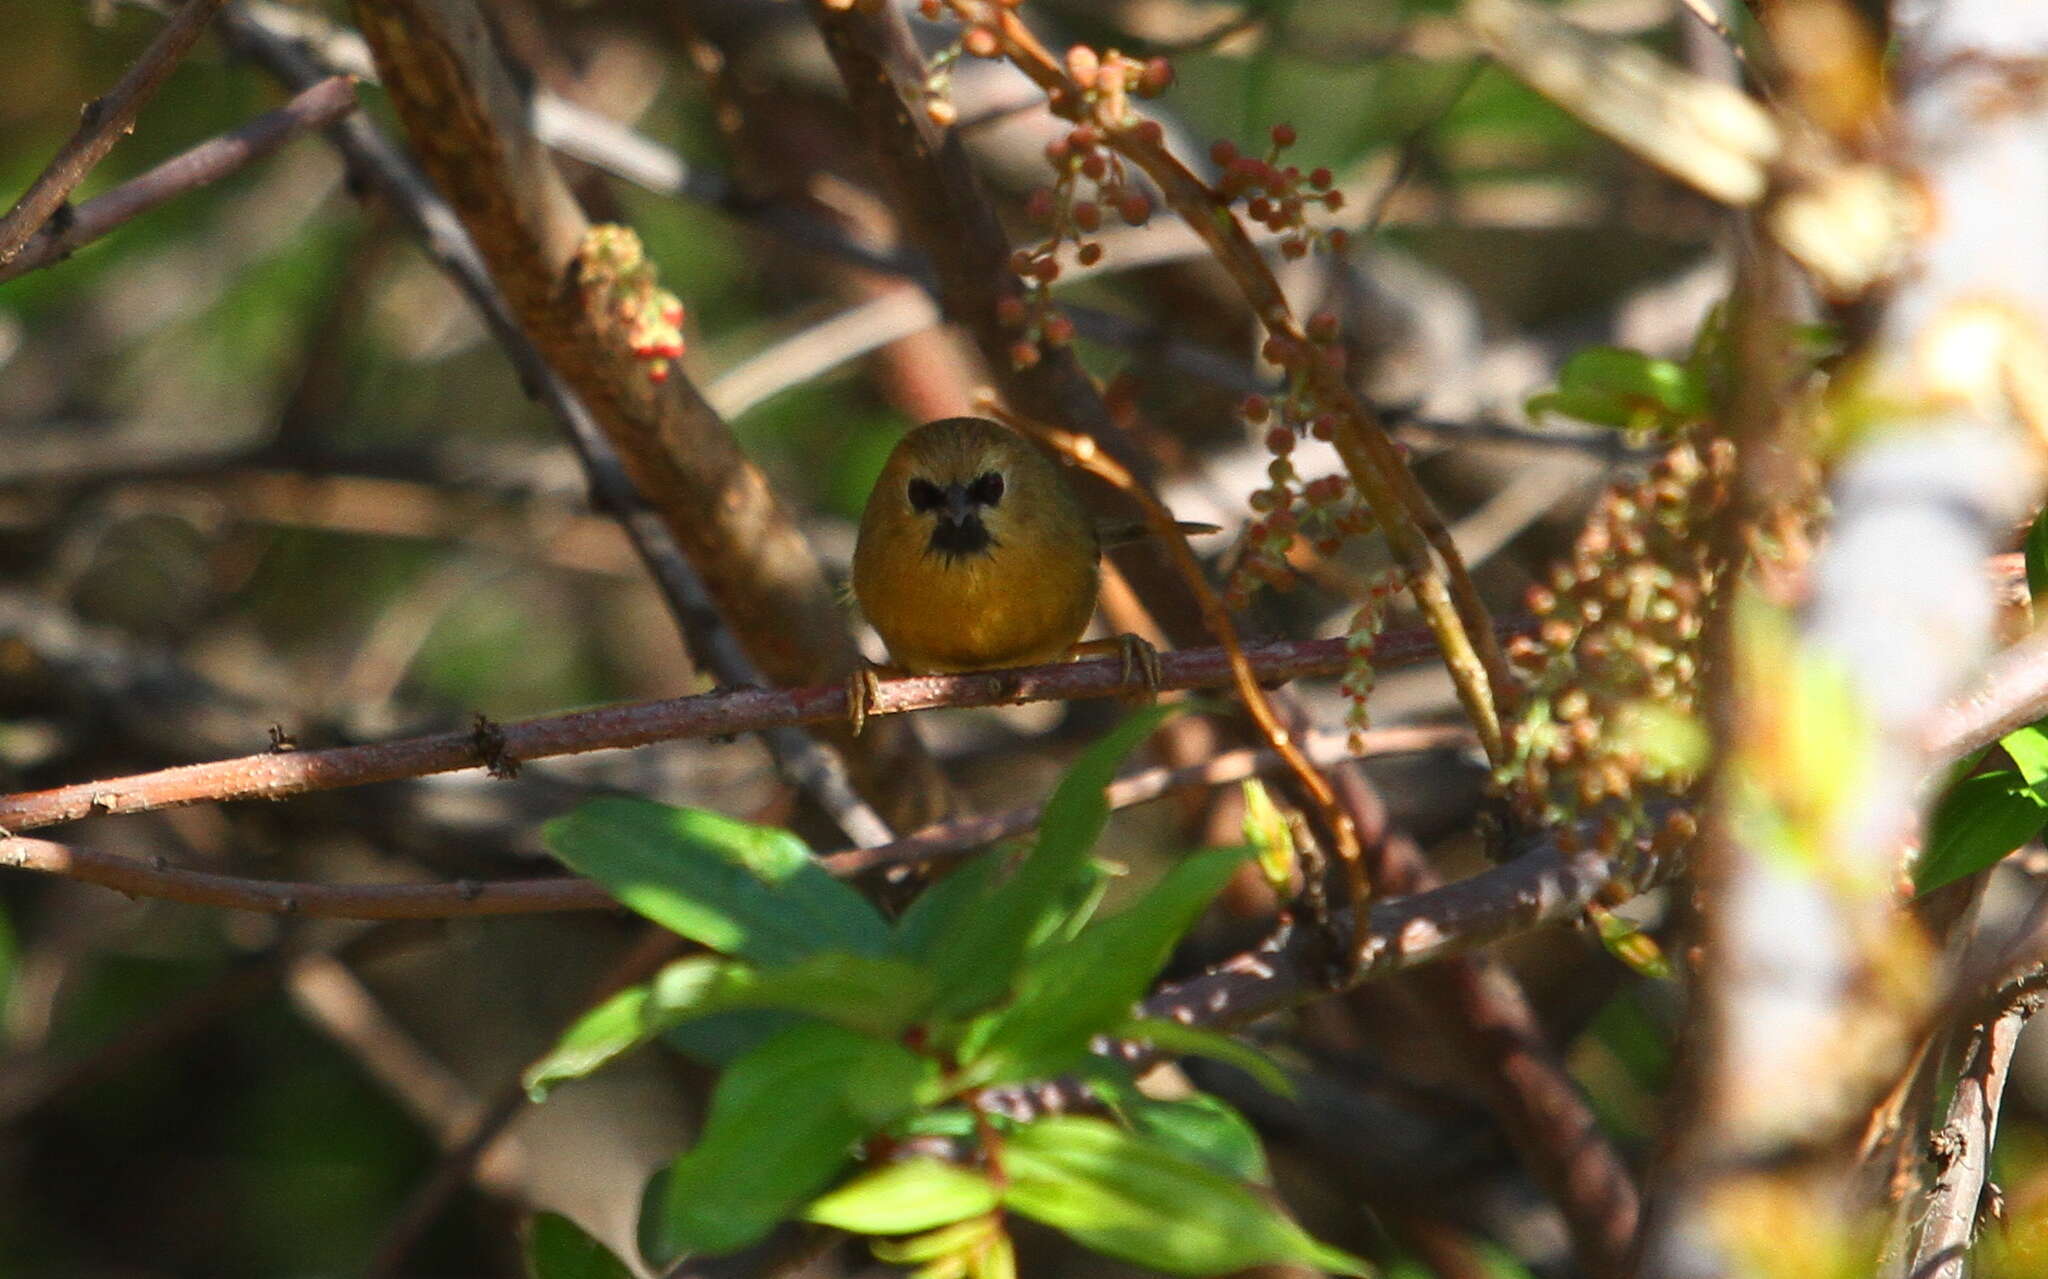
{"x":975,"y":953}
{"x":874,"y":996}
{"x":1197,"y":1041}
{"x":947,"y":904}
{"x":781,"y":1124}
{"x":2037,"y":559}
{"x":1271,"y":838}
{"x":1609,"y":386}
{"x":905,"y":1198}
{"x":2029,"y":750}
{"x":1202,"y":1128}
{"x":605,"y":1032}
{"x":557,"y":1248}
{"x":1131,"y":1198}
{"x":1979,"y":821}
{"x":739,"y":889}
{"x":1069,"y":994}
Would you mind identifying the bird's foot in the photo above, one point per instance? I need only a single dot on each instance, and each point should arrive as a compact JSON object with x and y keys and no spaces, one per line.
{"x":863,"y":690}
{"x":1141,"y":670}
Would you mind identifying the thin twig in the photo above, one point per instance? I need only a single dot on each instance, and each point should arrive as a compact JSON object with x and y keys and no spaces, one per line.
{"x":502,"y":747}
{"x":160,"y":880}
{"x":210,"y":161}
{"x":106,"y":120}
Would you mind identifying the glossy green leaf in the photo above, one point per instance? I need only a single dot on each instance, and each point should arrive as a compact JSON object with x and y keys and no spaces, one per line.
{"x":976,"y":952}
{"x":1132,"y":1198}
{"x":904,"y":1198}
{"x":874,"y":996}
{"x":739,"y":889}
{"x":1199,"y":1041}
{"x":1203,"y":1128}
{"x":557,"y":1248}
{"x":2029,"y":750}
{"x":782,"y":1122}
{"x":1981,"y":820}
{"x":1086,"y":987}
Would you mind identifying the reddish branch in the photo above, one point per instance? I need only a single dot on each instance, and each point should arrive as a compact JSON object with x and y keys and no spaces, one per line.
{"x":502,"y":747}
{"x":160,"y":880}
{"x":206,"y":163}
{"x":105,"y":120}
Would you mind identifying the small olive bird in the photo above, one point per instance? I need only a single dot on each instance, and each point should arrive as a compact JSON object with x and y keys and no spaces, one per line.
{"x":975,"y":553}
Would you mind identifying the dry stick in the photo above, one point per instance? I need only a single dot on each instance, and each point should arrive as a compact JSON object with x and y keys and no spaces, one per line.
{"x":1337,"y":822}
{"x":210,"y":161}
{"x":105,"y":119}
{"x":1961,"y":1148}
{"x":157,"y":878}
{"x":804,"y":762}
{"x":1441,"y":586}
{"x":275,"y":775}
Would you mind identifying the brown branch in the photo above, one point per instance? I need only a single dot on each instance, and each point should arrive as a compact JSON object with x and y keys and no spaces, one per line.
{"x":275,"y":775}
{"x":1481,"y":1009}
{"x":105,"y":120}
{"x":470,"y":126}
{"x":806,"y":763}
{"x":1441,"y":586}
{"x":2010,"y":692}
{"x":160,"y":880}
{"x":209,"y":162}
{"x":1961,"y":1148}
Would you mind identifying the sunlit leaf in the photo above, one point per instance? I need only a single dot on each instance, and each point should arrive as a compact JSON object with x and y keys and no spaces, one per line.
{"x":739,"y":889}
{"x":905,"y":1198}
{"x":1132,"y":1198}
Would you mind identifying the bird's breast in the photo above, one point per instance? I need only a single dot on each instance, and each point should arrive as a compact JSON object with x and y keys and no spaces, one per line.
{"x":1007,"y":605}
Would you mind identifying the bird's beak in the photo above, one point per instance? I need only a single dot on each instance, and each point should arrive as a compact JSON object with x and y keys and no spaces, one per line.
{"x":958,"y":509}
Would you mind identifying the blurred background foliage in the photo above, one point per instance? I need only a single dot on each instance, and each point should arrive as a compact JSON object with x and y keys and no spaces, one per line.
{"x":261,"y":465}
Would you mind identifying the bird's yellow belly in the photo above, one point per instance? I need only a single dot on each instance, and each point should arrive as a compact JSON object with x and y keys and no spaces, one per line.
{"x":1004,"y":608}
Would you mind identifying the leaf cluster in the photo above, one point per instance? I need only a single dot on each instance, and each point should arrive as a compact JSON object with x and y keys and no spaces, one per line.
{"x":853,"y":1047}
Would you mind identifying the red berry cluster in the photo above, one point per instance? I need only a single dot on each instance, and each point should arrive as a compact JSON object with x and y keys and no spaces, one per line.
{"x":1619,"y":629}
{"x":1090,"y":185}
{"x":1279,"y":196}
{"x":615,"y":270}
{"x":1323,"y":511}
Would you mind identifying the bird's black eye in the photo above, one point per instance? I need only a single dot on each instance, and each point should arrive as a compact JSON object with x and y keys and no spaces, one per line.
{"x":925,"y":495}
{"x":987,"y":489}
